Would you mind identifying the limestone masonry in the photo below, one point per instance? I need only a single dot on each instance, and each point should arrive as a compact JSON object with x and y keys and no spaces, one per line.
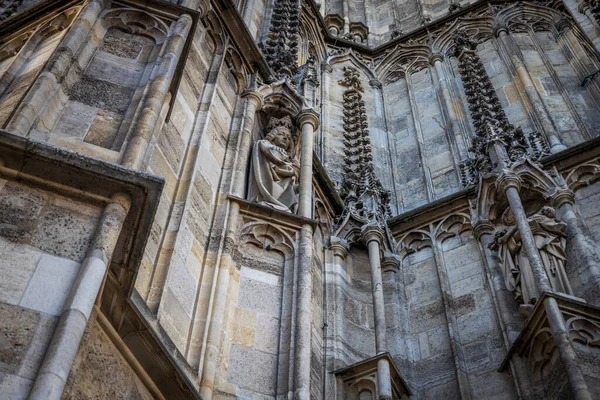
{"x":299,"y":199}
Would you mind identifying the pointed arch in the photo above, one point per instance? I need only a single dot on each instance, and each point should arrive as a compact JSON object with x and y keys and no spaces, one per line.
{"x":268,"y":237}
{"x":352,"y":57}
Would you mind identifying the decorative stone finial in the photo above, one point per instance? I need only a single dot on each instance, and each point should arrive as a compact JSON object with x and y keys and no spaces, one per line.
{"x":489,"y":118}
{"x":281,"y":46}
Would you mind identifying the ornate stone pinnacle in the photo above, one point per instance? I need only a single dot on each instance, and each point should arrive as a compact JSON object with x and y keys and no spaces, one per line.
{"x":489,"y":119}
{"x":281,"y":46}
{"x":361,"y":189}
{"x":8,"y":8}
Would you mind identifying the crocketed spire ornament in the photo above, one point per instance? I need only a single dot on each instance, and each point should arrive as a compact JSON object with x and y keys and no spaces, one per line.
{"x":361,"y":191}
{"x":8,"y":8}
{"x":281,"y":46}
{"x":486,"y":111}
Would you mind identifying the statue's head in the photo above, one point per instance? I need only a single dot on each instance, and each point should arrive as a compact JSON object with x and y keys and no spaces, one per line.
{"x":548,"y":212}
{"x":279,"y":132}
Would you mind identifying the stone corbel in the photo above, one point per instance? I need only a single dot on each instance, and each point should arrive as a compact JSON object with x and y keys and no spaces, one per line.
{"x":507,"y":180}
{"x":339,"y":247}
{"x":562,"y":197}
{"x":390,"y":262}
{"x":372,"y":232}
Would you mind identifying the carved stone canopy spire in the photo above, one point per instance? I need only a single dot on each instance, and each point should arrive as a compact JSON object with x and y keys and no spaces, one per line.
{"x":281,"y":46}
{"x":8,"y":8}
{"x":361,"y":190}
{"x":489,"y":118}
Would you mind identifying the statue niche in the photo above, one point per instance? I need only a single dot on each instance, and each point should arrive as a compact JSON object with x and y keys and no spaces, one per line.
{"x":275,"y":170}
{"x":550,"y":240}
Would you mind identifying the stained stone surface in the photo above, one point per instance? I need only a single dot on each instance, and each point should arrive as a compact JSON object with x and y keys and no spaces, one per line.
{"x":101,"y":372}
{"x":219,"y":279}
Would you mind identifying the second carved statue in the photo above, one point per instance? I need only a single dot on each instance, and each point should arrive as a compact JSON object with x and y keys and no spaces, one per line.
{"x":549,"y":235}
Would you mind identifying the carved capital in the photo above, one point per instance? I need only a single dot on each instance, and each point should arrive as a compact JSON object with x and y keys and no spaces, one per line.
{"x":436,"y":57}
{"x":583,"y":6}
{"x":371,"y":232}
{"x":564,"y":24}
{"x":561,"y":197}
{"x":254,"y":96}
{"x":339,"y":247}
{"x":390,"y":262}
{"x":375,"y":84}
{"x":507,"y":180}
{"x":483,"y":227}
{"x":500,"y":29}
{"x":308,"y":116}
{"x":326,"y":67}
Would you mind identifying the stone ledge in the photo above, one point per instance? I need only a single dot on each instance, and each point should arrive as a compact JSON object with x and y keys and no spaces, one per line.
{"x":369,"y":366}
{"x":570,"y":307}
{"x":268,"y":214}
{"x":47,"y":167}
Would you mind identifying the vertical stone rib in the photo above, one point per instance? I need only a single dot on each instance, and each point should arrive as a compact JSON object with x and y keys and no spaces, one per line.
{"x":36,"y":99}
{"x":532,"y":93}
{"x":139,"y":144}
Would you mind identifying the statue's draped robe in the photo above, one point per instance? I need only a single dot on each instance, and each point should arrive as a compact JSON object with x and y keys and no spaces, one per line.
{"x":269,"y":184}
{"x":550,"y":242}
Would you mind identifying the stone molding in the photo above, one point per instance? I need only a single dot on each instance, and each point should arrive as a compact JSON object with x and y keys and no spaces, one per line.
{"x":572,"y":310}
{"x":352,"y":373}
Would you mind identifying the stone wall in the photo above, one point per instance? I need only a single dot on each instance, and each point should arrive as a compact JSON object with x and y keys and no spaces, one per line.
{"x":44,"y":238}
{"x":101,"y":371}
{"x":219,"y":277}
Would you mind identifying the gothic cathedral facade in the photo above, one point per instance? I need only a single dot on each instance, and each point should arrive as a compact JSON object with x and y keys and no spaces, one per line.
{"x":299,"y":199}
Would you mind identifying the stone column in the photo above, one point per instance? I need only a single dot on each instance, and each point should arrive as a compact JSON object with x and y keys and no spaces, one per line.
{"x":450,"y":105}
{"x":339,"y":249}
{"x":372,"y":235}
{"x":211,"y":345}
{"x":56,"y":365}
{"x":37,"y":98}
{"x":308,"y":121}
{"x":303,"y":315}
{"x":526,"y":81}
{"x":381,"y":122}
{"x":326,"y":72}
{"x":186,"y":178}
{"x":581,"y":249}
{"x":254,"y":101}
{"x":156,"y":95}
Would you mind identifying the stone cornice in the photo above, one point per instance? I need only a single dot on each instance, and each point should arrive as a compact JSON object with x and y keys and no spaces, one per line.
{"x":423,"y":30}
{"x":22,"y":20}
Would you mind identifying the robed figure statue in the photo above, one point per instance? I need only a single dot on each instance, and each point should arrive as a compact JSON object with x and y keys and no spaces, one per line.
{"x":550,"y":240}
{"x":274,"y":172}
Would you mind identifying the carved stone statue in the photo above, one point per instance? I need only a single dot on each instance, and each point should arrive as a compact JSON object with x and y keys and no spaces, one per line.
{"x":274,"y":168}
{"x":549,"y":235}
